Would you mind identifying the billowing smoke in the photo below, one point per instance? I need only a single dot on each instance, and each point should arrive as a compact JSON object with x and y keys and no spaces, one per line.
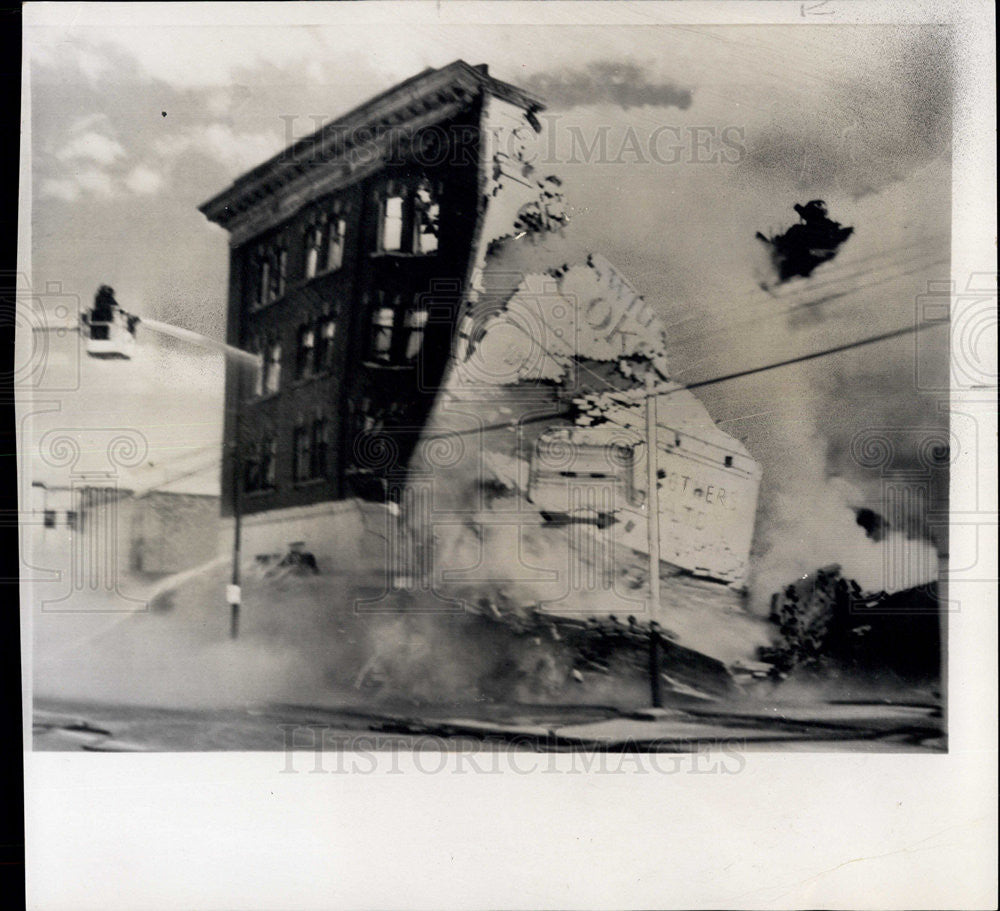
{"x":303,"y":640}
{"x":626,"y":85}
{"x":868,"y":143}
{"x":810,"y":518}
{"x":874,"y":525}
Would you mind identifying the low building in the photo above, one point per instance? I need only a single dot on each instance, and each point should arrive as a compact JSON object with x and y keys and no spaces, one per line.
{"x":100,"y":534}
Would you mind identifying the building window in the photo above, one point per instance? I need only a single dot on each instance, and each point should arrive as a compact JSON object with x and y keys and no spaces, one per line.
{"x":49,"y":518}
{"x":336,"y":232}
{"x":309,"y":445}
{"x":300,"y":450}
{"x":391,"y":227}
{"x":259,"y":465}
{"x":270,"y":277}
{"x":426,"y":211}
{"x":397,"y":331}
{"x":278,"y":282}
{"x":305,"y":351}
{"x":270,"y":462}
{"x":71,"y":519}
{"x":410,"y":217}
{"x":251,"y":468}
{"x":364,"y":417}
{"x":254,"y":388}
{"x":263,"y":281}
{"x":257,"y":348}
{"x":324,"y":343}
{"x":272,"y":368}
{"x":413,"y":325}
{"x":314,"y":244}
{"x":317,"y":448}
{"x":383,"y":326}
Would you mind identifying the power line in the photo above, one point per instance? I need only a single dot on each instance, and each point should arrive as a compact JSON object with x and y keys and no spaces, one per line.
{"x":815,"y":302}
{"x":698,"y":384}
{"x":802,"y":358}
{"x":825,"y":279}
{"x":181,"y":477}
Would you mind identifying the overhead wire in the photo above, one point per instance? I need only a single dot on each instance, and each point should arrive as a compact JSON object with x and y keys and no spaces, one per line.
{"x":803,"y":358}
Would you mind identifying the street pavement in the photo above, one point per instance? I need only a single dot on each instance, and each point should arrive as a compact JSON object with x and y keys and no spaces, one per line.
{"x":877,"y":726}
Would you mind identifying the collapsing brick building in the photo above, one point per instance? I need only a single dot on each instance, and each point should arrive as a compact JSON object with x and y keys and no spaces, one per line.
{"x":348,"y":253}
{"x":530,"y":483}
{"x":503,"y":425}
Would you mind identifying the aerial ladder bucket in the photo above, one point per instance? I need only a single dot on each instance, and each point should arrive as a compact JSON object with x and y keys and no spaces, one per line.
{"x":108,"y":331}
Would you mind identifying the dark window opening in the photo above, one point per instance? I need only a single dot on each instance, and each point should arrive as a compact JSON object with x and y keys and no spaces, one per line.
{"x":272,"y":368}
{"x":324,"y":343}
{"x":269,"y":462}
{"x":318,"y":449}
{"x":309,"y":445}
{"x":278,"y":278}
{"x":263,"y":281}
{"x":259,"y":465}
{"x":729,"y":461}
{"x":305,"y":351}
{"x":383,"y":329}
{"x":391,"y":222}
{"x":336,"y":232}
{"x":426,"y":213}
{"x":49,"y":518}
{"x":414,"y":325}
{"x":314,"y":244}
{"x":270,"y":276}
{"x":300,"y":448}
{"x":71,"y":519}
{"x":409,"y":217}
{"x":258,"y":373}
{"x":397,"y":331}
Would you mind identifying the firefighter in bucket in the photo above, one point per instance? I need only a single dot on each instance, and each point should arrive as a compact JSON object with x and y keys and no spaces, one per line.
{"x":110,"y":330}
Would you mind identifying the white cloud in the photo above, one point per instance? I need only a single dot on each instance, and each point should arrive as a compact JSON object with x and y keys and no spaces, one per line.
{"x":90,"y":122}
{"x":143,"y":181}
{"x":235,"y":150}
{"x":94,"y":64}
{"x":72,"y":186}
{"x":164,"y":48}
{"x":96,"y":182}
{"x":59,"y":188}
{"x":93,"y":146}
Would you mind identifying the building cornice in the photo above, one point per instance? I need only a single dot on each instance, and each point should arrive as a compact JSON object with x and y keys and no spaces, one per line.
{"x":341,"y":152}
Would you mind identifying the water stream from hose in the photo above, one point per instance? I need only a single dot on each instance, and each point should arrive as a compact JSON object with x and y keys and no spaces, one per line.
{"x":196,"y":338}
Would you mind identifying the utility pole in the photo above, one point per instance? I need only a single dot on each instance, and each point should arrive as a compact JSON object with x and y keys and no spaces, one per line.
{"x":233,"y":591}
{"x":652,"y":500}
{"x":655,"y":690}
{"x":653,"y":526}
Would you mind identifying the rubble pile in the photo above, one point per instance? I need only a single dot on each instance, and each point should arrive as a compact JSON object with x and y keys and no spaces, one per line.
{"x":608,"y":646}
{"x":827,"y":624}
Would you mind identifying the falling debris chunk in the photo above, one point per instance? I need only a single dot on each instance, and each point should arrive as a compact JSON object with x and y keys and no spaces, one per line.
{"x":815,"y":240}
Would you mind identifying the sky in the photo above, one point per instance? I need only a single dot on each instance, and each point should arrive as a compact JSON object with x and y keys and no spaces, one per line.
{"x":710,"y":134}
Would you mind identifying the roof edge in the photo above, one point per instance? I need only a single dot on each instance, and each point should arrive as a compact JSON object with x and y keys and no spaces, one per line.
{"x":281,"y":169}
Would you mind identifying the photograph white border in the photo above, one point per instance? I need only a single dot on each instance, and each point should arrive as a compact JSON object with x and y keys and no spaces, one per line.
{"x":792,"y":830}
